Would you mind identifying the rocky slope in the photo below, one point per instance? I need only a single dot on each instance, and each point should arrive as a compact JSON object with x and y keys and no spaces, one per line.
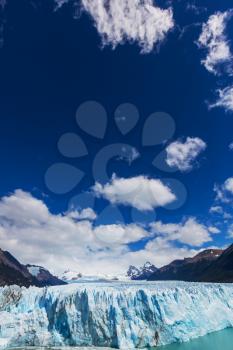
{"x":43,"y":276}
{"x":190,"y":269}
{"x":222,"y":269}
{"x":13,"y":272}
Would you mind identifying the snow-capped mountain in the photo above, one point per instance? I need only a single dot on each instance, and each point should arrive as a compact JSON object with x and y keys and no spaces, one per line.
{"x":210,"y":265}
{"x":133,"y":272}
{"x":13,"y":272}
{"x":43,"y":276}
{"x":141,"y":273}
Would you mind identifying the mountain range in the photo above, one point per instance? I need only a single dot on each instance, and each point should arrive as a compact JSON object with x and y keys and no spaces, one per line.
{"x":191,"y":269}
{"x":13,"y":272}
{"x":211,"y":265}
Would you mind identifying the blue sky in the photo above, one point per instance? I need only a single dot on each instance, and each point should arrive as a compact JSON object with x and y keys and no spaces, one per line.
{"x":55,"y":60}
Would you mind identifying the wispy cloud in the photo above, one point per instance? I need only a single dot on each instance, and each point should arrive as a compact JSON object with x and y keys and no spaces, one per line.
{"x":141,"y":22}
{"x":225,"y":99}
{"x":214,"y":40}
{"x":194,"y":8}
{"x":224,"y":192}
{"x":216,"y":209}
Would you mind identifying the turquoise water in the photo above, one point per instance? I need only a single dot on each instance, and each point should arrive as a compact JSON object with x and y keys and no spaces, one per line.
{"x":222,"y":340}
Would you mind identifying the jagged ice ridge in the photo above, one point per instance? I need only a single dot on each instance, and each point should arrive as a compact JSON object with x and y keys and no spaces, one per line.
{"x":122,"y":315}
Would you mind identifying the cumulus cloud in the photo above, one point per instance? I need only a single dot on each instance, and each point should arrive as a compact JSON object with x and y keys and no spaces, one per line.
{"x":225,"y":99}
{"x":214,"y":40}
{"x":189,"y":232}
{"x":35,"y":235}
{"x":139,"y":192}
{"x":163,"y":249}
{"x":120,"y":234}
{"x":84,"y":214}
{"x":181,"y":155}
{"x":138,"y":21}
{"x":58,"y":241}
{"x":231,"y":144}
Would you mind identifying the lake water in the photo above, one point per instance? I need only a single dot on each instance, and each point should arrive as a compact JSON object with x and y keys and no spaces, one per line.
{"x":222,"y":340}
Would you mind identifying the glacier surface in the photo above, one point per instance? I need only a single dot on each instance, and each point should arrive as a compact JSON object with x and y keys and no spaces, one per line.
{"x":122,"y":315}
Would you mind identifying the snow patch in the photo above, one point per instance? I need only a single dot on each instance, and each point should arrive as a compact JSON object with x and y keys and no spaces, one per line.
{"x":34,"y":270}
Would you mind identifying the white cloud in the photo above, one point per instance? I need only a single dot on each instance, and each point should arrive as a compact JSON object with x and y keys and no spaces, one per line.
{"x":213,"y":229}
{"x":137,"y":21}
{"x":214,"y":40}
{"x":181,"y":155}
{"x":139,"y":192}
{"x":34,"y":235}
{"x":228,"y":185}
{"x":225,"y":99}
{"x":231,"y":144}
{"x":120,"y":234}
{"x":216,"y":209}
{"x":84,"y":214}
{"x":159,"y":252}
{"x":188,"y":232}
{"x":224,"y":192}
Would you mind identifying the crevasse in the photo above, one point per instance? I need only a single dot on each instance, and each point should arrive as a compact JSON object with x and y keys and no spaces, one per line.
{"x":120,"y":315}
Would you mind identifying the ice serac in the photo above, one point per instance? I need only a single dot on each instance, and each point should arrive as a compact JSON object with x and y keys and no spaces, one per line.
{"x":122,"y":315}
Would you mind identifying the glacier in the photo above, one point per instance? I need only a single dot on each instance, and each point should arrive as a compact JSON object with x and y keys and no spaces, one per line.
{"x":121,"y":315}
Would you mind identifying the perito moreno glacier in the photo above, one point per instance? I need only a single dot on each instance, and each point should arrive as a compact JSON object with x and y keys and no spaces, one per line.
{"x":119,"y":315}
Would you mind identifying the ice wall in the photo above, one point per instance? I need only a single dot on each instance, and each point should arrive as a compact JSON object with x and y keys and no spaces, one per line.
{"x":127,"y":316}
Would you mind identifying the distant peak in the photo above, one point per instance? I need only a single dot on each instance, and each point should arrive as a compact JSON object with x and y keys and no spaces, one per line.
{"x":141,"y":273}
{"x":148,"y":264}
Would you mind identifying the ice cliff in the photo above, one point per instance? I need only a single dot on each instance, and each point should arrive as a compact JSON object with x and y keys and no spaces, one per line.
{"x":122,"y":315}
